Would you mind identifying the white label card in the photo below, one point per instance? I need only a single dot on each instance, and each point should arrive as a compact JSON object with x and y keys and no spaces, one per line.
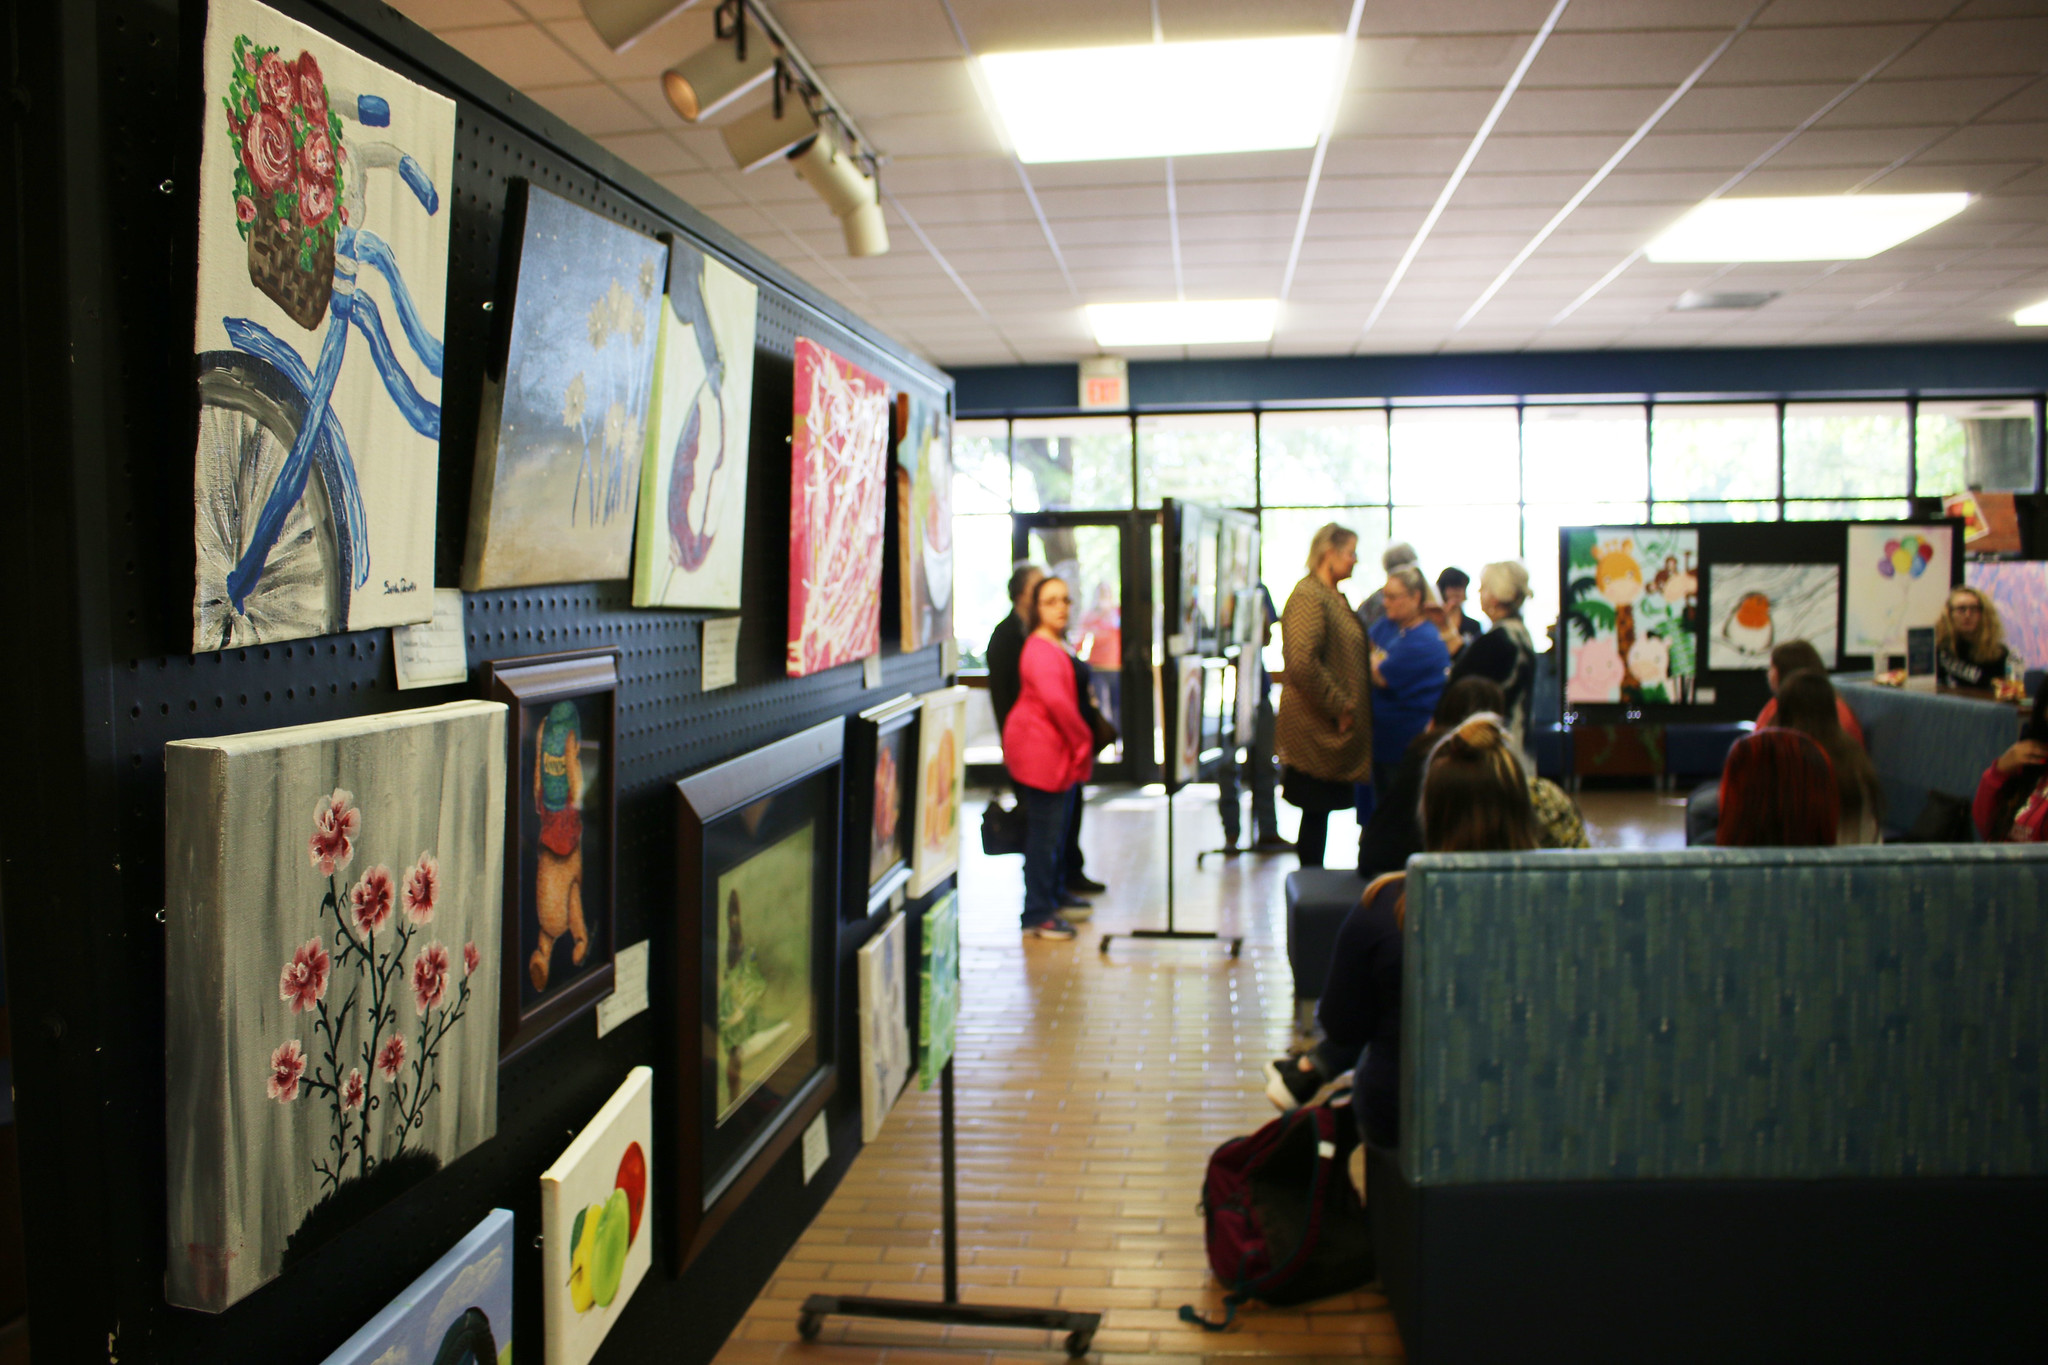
{"x":629,"y":989}
{"x":949,"y":658}
{"x":817,"y":1148}
{"x":871,"y":671}
{"x":721,"y":652}
{"x":433,"y":653}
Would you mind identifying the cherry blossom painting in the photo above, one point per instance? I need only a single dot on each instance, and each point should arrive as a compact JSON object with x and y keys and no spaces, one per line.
{"x":458,"y":1310}
{"x":839,"y":472}
{"x":332,"y":903}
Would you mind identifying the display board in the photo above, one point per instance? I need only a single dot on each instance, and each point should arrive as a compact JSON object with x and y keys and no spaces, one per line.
{"x":110,"y":125}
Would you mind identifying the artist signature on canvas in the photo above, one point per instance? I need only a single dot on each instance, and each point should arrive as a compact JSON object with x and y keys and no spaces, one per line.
{"x":401,"y":585}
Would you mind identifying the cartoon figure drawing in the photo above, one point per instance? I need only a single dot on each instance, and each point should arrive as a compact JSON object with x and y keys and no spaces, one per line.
{"x":558,"y":881}
{"x":1596,"y":671}
{"x":1619,"y":578}
{"x":1631,"y":610}
{"x":1649,"y":662}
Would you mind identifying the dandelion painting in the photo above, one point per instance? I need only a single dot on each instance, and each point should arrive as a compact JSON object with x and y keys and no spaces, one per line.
{"x":839,"y":451}
{"x":564,"y":425}
{"x":1630,"y":623}
{"x":332,"y":902}
{"x":459,"y":1311}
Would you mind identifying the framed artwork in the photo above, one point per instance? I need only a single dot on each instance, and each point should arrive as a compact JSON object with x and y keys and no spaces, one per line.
{"x":924,"y":509}
{"x":839,"y":471}
{"x":757,"y":886}
{"x":1631,"y":614}
{"x":1991,"y":522}
{"x":938,"y":998}
{"x":567,"y":400}
{"x":941,"y":774}
{"x":332,"y":900}
{"x":1187,"y":582}
{"x":596,"y":1241}
{"x":884,"y":1025}
{"x":561,"y":839}
{"x":1756,"y":607}
{"x":1898,"y":576}
{"x":459,"y":1310}
{"x":319,"y":429}
{"x":693,"y":485}
{"x":1186,"y":752}
{"x":2019,"y":589}
{"x":881,"y":794}
{"x":1251,"y":672}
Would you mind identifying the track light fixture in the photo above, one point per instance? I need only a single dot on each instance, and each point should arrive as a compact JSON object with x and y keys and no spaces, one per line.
{"x":730,"y":69}
{"x":621,"y":23}
{"x":849,"y":191}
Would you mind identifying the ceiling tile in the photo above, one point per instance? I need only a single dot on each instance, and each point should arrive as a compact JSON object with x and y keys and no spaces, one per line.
{"x":1840,"y":53}
{"x":521,"y":54}
{"x":1650,"y":58}
{"x":593,"y":109}
{"x":1978,"y":48}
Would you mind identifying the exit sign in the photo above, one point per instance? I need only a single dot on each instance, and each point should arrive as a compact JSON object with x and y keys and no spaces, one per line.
{"x":1105,"y":383}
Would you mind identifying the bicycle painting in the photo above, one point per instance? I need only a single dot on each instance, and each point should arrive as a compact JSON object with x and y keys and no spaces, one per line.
{"x":317,"y":459}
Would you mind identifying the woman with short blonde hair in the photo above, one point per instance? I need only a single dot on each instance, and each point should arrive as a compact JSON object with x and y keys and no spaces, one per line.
{"x":1324,"y":730}
{"x":1969,"y":642}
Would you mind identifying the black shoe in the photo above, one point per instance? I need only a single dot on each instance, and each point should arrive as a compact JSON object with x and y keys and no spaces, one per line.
{"x":1273,"y":843}
{"x":1070,"y":901}
{"x":1081,"y":882}
{"x":1289,"y":1087}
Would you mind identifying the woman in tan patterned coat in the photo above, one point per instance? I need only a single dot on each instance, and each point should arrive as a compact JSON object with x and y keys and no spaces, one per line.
{"x":1324,"y":729}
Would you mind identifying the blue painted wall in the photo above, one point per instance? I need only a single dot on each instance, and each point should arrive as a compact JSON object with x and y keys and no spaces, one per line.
{"x":1823,"y":371}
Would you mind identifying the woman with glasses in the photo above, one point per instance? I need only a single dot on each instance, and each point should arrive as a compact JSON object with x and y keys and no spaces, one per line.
{"x":1969,"y":643}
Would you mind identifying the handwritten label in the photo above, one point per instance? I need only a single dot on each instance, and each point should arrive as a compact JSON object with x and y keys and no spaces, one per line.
{"x":629,"y":989}
{"x":432,"y":654}
{"x":721,"y":652}
{"x":871,"y":671}
{"x":817,"y":1148}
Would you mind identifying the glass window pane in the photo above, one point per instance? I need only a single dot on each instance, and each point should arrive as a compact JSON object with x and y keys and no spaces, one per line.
{"x":1986,"y":445}
{"x":981,"y":579}
{"x":1540,"y":524}
{"x":1585,"y":452}
{"x":981,"y":466}
{"x":1714,"y":450}
{"x":1679,"y":512}
{"x":1456,"y":455}
{"x":1284,"y":536}
{"x":1835,"y":450}
{"x":1450,"y":536}
{"x":1323,"y":457}
{"x":1197,"y":457}
{"x":1868,"y":509}
{"x":1078,"y":463}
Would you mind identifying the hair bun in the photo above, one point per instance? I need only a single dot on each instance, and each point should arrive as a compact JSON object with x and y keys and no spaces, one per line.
{"x":1482,"y":732}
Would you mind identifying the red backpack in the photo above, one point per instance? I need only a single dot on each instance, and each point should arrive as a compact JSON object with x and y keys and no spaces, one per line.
{"x":1285,"y":1224}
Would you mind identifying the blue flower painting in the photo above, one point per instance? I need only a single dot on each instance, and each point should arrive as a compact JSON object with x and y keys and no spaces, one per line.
{"x":562,"y":433}
{"x":458,"y":1313}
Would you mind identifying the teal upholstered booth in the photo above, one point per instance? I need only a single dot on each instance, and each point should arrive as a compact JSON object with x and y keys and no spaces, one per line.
{"x":1723,"y":1104}
{"x":1925,"y":742}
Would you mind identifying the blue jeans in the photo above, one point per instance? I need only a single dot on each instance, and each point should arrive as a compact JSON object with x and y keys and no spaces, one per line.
{"x":1046,"y":816}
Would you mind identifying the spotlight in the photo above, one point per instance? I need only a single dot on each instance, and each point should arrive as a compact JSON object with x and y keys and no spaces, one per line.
{"x":705,"y":82}
{"x":621,"y":23}
{"x":849,"y":191}
{"x":768,"y":133}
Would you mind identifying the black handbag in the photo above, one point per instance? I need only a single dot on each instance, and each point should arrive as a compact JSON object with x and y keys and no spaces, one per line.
{"x":1106,"y":734}
{"x":1002,"y":828}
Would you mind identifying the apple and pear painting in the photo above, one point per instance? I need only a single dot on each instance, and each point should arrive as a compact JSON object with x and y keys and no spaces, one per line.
{"x":1631,"y":614}
{"x":459,"y":1312}
{"x":333,"y":894}
{"x":564,"y":427}
{"x":596,"y":1242}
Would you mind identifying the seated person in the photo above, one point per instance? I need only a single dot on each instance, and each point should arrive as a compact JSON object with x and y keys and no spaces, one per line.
{"x":1969,"y":643}
{"x":1777,"y":791}
{"x":2012,"y":796}
{"x":1703,"y":807}
{"x":1806,"y":703}
{"x":1393,"y":835}
{"x":1475,"y":798}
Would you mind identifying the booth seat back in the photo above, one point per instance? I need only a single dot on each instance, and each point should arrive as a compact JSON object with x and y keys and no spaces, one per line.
{"x":1926,"y":741}
{"x":1725,"y":1013}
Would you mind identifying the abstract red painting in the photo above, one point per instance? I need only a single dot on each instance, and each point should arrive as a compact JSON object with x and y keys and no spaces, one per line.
{"x":839,"y":469}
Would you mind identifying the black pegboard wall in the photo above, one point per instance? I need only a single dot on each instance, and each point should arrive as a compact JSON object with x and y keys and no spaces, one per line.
{"x":157,"y":691}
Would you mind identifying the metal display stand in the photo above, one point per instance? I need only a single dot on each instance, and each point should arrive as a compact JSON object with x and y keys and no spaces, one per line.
{"x":1079,"y":1327}
{"x":1236,"y":941}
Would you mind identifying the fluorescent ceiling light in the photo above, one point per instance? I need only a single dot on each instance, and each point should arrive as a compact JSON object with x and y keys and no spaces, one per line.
{"x":1822,"y":227}
{"x":1164,"y":99}
{"x":2037,"y":316}
{"x":1206,"y":323}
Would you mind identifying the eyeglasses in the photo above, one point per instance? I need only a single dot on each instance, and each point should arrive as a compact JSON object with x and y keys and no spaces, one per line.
{"x":1962,"y":608}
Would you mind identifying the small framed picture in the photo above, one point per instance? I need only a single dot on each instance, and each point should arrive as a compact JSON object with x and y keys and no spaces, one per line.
{"x":561,"y":839}
{"x":880,"y":803}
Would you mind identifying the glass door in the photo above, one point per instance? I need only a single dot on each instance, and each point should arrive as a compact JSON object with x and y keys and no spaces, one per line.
{"x":1103,"y":556}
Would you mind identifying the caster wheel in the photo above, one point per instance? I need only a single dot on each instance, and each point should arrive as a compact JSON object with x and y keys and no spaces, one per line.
{"x":807,"y":1325}
{"x":1078,"y":1343}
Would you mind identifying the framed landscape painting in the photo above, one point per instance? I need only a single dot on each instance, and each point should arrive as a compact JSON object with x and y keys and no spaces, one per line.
{"x":596,"y":1236}
{"x":319,"y":430}
{"x":459,"y":1311}
{"x":567,"y":398}
{"x":756,"y":928}
{"x":884,"y":1025}
{"x":333,"y":899}
{"x":881,"y":793}
{"x":941,"y":776}
{"x":924,"y":511}
{"x":561,"y":839}
{"x":839,"y":477}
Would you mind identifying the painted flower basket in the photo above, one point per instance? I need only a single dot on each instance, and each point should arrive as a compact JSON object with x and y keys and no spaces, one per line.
{"x":288,"y":177}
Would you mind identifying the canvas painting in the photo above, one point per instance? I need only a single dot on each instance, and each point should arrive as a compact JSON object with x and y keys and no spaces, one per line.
{"x":839,"y":452}
{"x":764,"y":966}
{"x":1757,"y":607}
{"x":1187,"y":719}
{"x":332,"y":903}
{"x":1251,"y":673}
{"x":938,"y":1008}
{"x":595,"y":1237}
{"x":564,"y":422}
{"x":2019,"y":589}
{"x":924,"y":509}
{"x":1991,"y":522}
{"x":887,"y":837}
{"x":458,"y":1312}
{"x":941,"y":775}
{"x":693,"y":487}
{"x":322,"y":294}
{"x":1898,"y":578}
{"x":1631,"y":614}
{"x":884,"y":1025}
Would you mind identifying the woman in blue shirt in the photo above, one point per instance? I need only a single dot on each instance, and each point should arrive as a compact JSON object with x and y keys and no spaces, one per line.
{"x":1409,"y":668}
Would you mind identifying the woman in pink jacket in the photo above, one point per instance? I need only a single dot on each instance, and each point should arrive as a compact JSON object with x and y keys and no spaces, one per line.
{"x":1049,"y":751}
